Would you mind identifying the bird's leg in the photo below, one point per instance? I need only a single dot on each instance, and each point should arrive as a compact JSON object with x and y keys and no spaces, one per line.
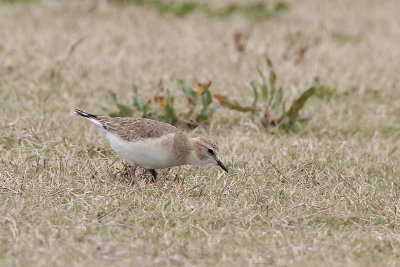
{"x":133,"y":175}
{"x":153,"y":175}
{"x":177,"y":174}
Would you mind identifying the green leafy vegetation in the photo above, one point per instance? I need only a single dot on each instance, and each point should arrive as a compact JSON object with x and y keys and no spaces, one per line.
{"x":254,"y":11}
{"x":323,"y":91}
{"x":161,"y":107}
{"x":272,"y":109}
{"x":16,"y":1}
{"x":326,"y":92}
{"x":270,"y":112}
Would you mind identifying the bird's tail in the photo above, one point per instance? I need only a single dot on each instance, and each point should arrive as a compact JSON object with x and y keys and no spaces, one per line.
{"x":85,"y":114}
{"x":91,"y":117}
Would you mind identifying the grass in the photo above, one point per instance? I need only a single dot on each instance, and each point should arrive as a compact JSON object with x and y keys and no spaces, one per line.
{"x":64,"y":195}
{"x":254,"y":11}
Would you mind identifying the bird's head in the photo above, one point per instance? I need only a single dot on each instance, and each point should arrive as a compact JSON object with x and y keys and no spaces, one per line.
{"x":205,"y":153}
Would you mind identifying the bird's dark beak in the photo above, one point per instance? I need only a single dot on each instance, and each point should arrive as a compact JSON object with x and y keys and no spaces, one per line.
{"x":222,"y":165}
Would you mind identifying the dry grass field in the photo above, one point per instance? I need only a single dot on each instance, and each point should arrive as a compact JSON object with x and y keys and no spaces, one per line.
{"x":64,"y":198}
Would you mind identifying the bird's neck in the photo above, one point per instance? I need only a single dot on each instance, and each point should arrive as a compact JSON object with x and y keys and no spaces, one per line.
{"x":192,"y":156}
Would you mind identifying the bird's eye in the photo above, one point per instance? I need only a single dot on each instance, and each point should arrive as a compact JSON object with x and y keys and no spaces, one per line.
{"x":210,"y":151}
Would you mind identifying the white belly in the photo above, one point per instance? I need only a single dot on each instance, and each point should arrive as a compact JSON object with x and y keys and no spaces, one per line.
{"x":153,"y":153}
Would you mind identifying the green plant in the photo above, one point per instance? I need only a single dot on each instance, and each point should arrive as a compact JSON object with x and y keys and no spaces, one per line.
{"x":323,"y":91}
{"x":169,"y":109}
{"x":207,"y":110}
{"x":254,"y":11}
{"x":17,"y":1}
{"x":272,"y":111}
{"x":166,"y":110}
{"x":143,"y":106}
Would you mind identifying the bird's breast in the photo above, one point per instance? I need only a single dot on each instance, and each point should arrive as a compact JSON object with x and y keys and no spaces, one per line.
{"x":149,"y":153}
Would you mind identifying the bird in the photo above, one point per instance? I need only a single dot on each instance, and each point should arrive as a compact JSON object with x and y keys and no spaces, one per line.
{"x":152,"y":144}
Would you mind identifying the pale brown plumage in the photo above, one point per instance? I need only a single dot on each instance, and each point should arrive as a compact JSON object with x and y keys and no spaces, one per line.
{"x":153,"y":144}
{"x":130,"y":129}
{"x":136,"y":128}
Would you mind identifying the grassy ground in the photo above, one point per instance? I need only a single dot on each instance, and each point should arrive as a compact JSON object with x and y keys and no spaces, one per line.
{"x":63,"y":195}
